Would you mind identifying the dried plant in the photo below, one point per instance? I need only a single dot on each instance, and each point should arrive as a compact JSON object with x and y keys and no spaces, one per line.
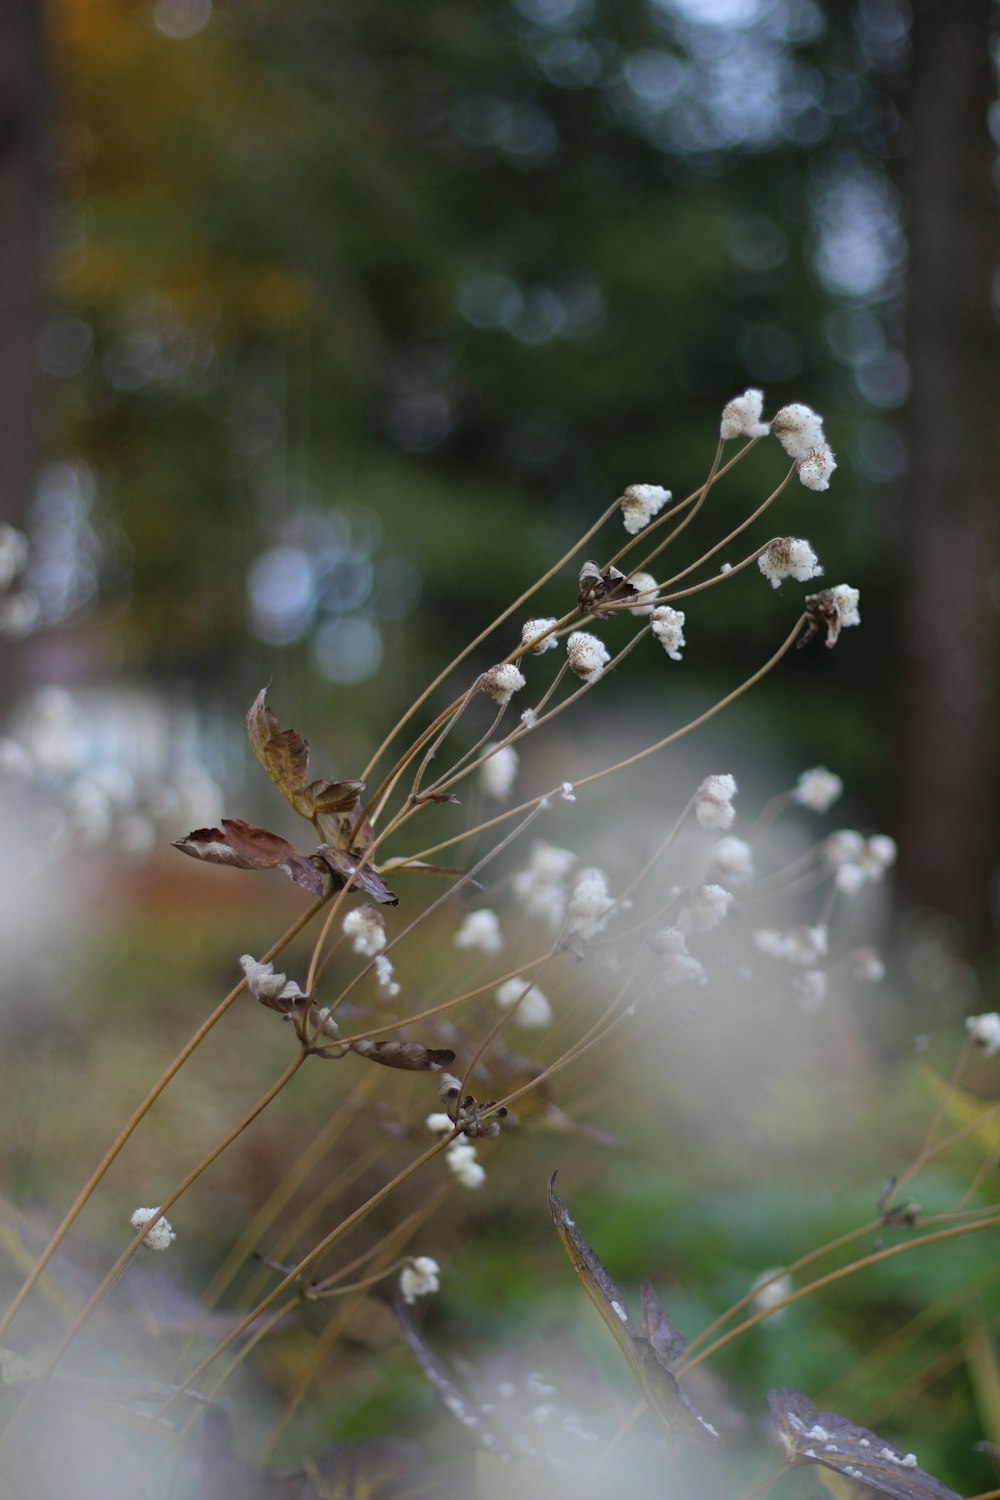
{"x":524,"y":939}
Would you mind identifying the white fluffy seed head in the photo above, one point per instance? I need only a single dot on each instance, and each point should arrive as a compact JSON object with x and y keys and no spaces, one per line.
{"x":732,"y":859}
{"x":788,"y":557}
{"x":703,"y":907}
{"x":798,"y":429}
{"x":161,"y":1236}
{"x":533,"y":1009}
{"x":668,"y":627}
{"x":532,"y":628}
{"x":461,"y":1159}
{"x":817,"y":467}
{"x":817,"y":789}
{"x":713,"y":803}
{"x":366,"y":929}
{"x":501,"y":682}
{"x":741,"y":417}
{"x":589,"y":905}
{"x":646,"y":585}
{"x":480,"y":929}
{"x":587,"y":655}
{"x":640,"y":503}
{"x":985,"y":1032}
{"x":384,"y":977}
{"x":419,"y":1278}
{"x":498,"y":772}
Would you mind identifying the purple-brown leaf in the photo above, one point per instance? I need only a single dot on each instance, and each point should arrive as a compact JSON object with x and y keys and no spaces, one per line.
{"x":346,"y":867}
{"x":247,"y":847}
{"x":284,"y":755}
{"x":411,"y":1056}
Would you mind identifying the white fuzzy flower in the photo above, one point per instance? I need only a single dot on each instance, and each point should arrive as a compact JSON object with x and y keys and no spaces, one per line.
{"x":678,"y":966}
{"x":480,"y":929}
{"x":646,"y":585}
{"x":817,"y":789}
{"x":798,"y":429}
{"x":703,"y":907}
{"x":799,"y":945}
{"x":533,"y":1009}
{"x":461,"y":1159}
{"x":771,"y":1287}
{"x":985,"y":1032}
{"x":268,"y":987}
{"x":529,"y":718}
{"x":867,"y":966}
{"x":587,"y":655}
{"x":788,"y":557}
{"x":384,"y":977}
{"x":589,"y":905}
{"x":498,"y":771}
{"x":732,"y":859}
{"x":366,"y":930}
{"x":440,"y":1124}
{"x":501,"y":682}
{"x":547,"y":862}
{"x":849,"y":879}
{"x":640,"y":503}
{"x":161,"y":1236}
{"x":419,"y":1278}
{"x":816,"y":468}
{"x":532,"y":628}
{"x":845,"y":602}
{"x":811,"y":988}
{"x":713,"y":803}
{"x":566,"y":792}
{"x":668,"y":627}
{"x":878,"y":855}
{"x":844,"y":847}
{"x":741,"y":417}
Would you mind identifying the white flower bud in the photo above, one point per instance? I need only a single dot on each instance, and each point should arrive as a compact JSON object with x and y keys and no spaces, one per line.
{"x":533,"y":1009}
{"x":703,"y":907}
{"x":587,"y":655}
{"x":498,"y":772}
{"x":816,"y":468}
{"x":788,"y":557}
{"x":646,"y":585}
{"x":366,"y":929}
{"x":817,"y":789}
{"x":732,"y":859}
{"x":480,"y":929}
{"x":501,"y":682}
{"x":419,"y":1278}
{"x":668,"y":627}
{"x":161,"y":1236}
{"x":640,"y":503}
{"x":589,"y":905}
{"x":713,"y":803}
{"x":985,"y":1032}
{"x":798,"y":429}
{"x":741,"y":417}
{"x":532,"y":628}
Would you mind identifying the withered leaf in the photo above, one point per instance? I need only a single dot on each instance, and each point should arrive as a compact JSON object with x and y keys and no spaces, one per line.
{"x":839,"y":1444}
{"x":344,"y":867}
{"x":468,"y":1414}
{"x":248,"y":847}
{"x":412,"y":1056}
{"x":658,"y":1385}
{"x":667,"y":1344}
{"x":284,"y":755}
{"x":598,"y":588}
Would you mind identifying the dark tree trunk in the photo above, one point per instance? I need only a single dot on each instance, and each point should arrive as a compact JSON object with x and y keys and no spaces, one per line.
{"x":948,"y":749}
{"x":21,"y":113}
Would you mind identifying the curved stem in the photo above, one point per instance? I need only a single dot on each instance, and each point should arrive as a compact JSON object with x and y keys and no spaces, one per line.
{"x":139,"y":1114}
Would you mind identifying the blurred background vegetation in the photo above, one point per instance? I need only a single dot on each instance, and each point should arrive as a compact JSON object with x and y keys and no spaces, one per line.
{"x":325,"y":326}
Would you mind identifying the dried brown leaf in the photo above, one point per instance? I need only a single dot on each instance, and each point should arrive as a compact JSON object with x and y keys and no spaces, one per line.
{"x":411,"y":1056}
{"x":284,"y":755}
{"x":247,"y":847}
{"x":839,"y":1444}
{"x":346,"y":867}
{"x":658,"y":1385}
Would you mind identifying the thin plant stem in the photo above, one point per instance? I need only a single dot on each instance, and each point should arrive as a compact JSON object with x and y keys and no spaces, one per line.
{"x":139,"y":1114}
{"x":686,"y":1365}
{"x":132,"y":1249}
